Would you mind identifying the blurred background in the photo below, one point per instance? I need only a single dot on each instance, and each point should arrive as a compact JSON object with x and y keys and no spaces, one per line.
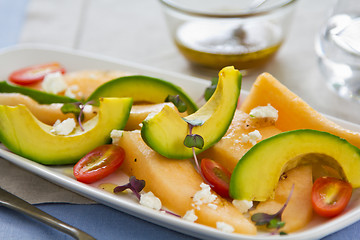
{"x":136,"y":31}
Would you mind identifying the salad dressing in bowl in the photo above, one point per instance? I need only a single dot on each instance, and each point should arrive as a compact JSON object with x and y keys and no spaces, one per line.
{"x":241,"y":33}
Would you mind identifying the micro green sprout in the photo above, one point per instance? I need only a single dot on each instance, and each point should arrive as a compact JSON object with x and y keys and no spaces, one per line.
{"x":209,"y":91}
{"x":136,"y":186}
{"x":76,"y":108}
{"x":272,"y":221}
{"x":176,"y":100}
{"x":195,"y":141}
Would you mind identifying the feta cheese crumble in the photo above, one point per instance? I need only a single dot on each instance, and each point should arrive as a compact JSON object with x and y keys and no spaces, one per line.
{"x":150,"y":200}
{"x":190,"y":216}
{"x":242,"y":205}
{"x":63,"y":128}
{"x":252,"y":137}
{"x":54,"y":83}
{"x":116,"y":135}
{"x":222,"y":226}
{"x":264,"y":112}
{"x":204,"y":195}
{"x":213,"y":206}
{"x":70,"y":89}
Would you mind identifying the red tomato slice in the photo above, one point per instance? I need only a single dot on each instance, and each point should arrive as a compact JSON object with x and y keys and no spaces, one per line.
{"x":217,"y":176}
{"x":99,"y":163}
{"x":35,"y":73}
{"x":330,"y":196}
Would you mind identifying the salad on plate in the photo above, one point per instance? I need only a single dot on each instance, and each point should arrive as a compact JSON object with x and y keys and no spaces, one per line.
{"x":269,"y":164}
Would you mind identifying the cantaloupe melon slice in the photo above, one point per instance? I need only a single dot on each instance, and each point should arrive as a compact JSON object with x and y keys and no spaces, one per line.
{"x":298,"y":213}
{"x":230,"y":148}
{"x":294,"y":113}
{"x":175,"y":182}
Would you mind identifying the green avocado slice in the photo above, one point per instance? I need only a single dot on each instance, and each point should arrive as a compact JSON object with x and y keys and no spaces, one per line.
{"x":257,"y":173}
{"x":26,"y":136}
{"x":38,"y":96}
{"x":142,"y":89}
{"x":165,"y":132}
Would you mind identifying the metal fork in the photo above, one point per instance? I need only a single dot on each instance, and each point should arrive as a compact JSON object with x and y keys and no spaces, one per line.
{"x":13,"y":202}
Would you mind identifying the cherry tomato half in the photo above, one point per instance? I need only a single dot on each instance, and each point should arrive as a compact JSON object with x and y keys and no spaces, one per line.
{"x":99,"y":163}
{"x":217,"y":176}
{"x":35,"y":73}
{"x":330,"y":196}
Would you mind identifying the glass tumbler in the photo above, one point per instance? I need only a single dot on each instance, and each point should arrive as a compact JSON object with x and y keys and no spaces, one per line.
{"x":338,"y":49}
{"x":241,"y":33}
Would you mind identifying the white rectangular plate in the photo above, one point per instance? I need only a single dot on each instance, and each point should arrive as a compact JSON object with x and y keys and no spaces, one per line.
{"x":15,"y":57}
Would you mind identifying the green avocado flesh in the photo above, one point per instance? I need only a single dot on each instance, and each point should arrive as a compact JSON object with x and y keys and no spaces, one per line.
{"x":26,"y":136}
{"x":165,"y":132}
{"x":38,"y":96}
{"x":142,"y":89}
{"x":257,"y":173}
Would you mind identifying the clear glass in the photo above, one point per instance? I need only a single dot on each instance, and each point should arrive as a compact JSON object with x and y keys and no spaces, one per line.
{"x":338,"y":48}
{"x":242,"y":33}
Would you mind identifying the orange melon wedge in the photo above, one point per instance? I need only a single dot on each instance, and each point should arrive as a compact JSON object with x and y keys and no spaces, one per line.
{"x":298,"y":212}
{"x":175,"y":182}
{"x":230,"y":148}
{"x":294,"y":113}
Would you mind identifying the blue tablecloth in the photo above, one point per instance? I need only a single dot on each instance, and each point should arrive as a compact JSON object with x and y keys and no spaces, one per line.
{"x":100,"y":221}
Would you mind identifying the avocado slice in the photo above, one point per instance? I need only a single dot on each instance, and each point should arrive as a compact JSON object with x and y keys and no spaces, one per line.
{"x":39,"y":96}
{"x":165,"y":132}
{"x":26,"y":136}
{"x":142,"y":89}
{"x":257,"y":173}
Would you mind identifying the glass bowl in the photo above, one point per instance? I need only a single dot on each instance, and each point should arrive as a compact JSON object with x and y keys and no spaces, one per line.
{"x":241,"y":33}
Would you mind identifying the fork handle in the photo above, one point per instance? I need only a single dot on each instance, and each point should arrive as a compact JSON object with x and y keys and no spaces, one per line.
{"x":13,"y":202}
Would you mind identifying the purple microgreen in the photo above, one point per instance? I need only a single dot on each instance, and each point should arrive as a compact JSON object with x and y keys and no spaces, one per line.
{"x":272,"y":220}
{"x":275,"y":223}
{"x":194,"y":122}
{"x":198,"y":168}
{"x":81,"y":116}
{"x":214,"y":81}
{"x":176,"y":100}
{"x":194,"y":140}
{"x":135,"y":185}
{"x":171,"y":213}
{"x":209,"y":91}
{"x":73,"y":108}
{"x":196,"y":162}
{"x":138,"y":185}
{"x":76,"y":108}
